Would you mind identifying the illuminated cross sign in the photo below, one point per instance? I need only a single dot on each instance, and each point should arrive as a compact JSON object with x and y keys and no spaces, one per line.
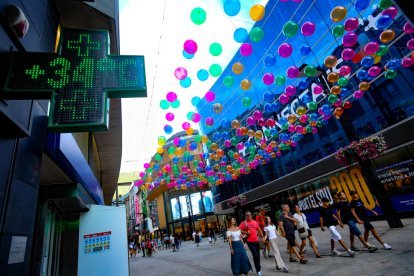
{"x":78,"y":80}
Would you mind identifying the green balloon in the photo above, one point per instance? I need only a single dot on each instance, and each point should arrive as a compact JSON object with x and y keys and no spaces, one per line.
{"x":382,"y":50}
{"x":390,"y":74}
{"x":215,"y":70}
{"x":338,"y":30}
{"x":285,"y":126}
{"x":246,"y":101}
{"x":233,"y":141}
{"x":319,"y":124}
{"x":308,"y":129}
{"x":267,"y":133}
{"x":384,"y":4}
{"x":256,"y":34}
{"x":228,"y":81}
{"x":164,"y":104}
{"x":343,"y":81}
{"x":157,"y":157}
{"x":310,"y":70}
{"x":332,"y":99}
{"x":290,"y":28}
{"x":175,"y":104}
{"x":215,"y":49}
{"x":171,"y":150}
{"x":312,"y":106}
{"x":198,"y":16}
{"x":190,"y":115}
{"x":280,"y":80}
{"x":197,"y":138}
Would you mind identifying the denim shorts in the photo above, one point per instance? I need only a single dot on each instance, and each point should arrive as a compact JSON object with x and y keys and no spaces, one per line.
{"x":353,"y":228}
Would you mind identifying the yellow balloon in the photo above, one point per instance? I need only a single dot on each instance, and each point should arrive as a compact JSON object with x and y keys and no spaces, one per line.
{"x":301,"y":110}
{"x":245,"y":84}
{"x":213,"y":146}
{"x":330,"y":61}
{"x":387,"y":36}
{"x":363,"y":86}
{"x":333,"y":77}
{"x":338,"y":13}
{"x":204,"y":139}
{"x":377,"y":59}
{"x":258,"y":135}
{"x":160,"y":150}
{"x":292,"y":118}
{"x":178,"y":151}
{"x":189,"y":131}
{"x":257,"y":12}
{"x":250,"y":133}
{"x":336,"y":90}
{"x":237,"y":68}
{"x":235,"y":124}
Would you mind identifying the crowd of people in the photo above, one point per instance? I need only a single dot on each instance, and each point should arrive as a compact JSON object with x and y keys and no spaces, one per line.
{"x":262,"y":233}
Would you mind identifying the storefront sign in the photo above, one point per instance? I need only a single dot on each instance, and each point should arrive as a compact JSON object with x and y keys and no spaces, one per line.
{"x":17,"y":250}
{"x":79,"y":80}
{"x":314,"y":200}
{"x":97,"y":242}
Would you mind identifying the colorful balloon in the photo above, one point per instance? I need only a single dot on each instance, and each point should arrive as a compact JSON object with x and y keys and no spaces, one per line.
{"x":198,"y":16}
{"x":351,"y":24}
{"x":237,"y":68}
{"x":175,"y":104}
{"x":338,"y":13}
{"x":256,"y":34}
{"x":290,"y":90}
{"x":310,"y":70}
{"x":246,"y":101}
{"x":240,"y":35}
{"x":391,"y":11}
{"x":209,"y":121}
{"x":347,"y":54}
{"x":228,"y":81}
{"x":383,"y":22}
{"x":215,"y":49}
{"x":333,"y":77}
{"x":292,"y":72}
{"x":361,"y":5}
{"x":245,"y":84}
{"x":231,"y":7}
{"x":215,"y":70}
{"x":338,"y":30}
{"x":408,"y":28}
{"x":285,"y":50}
{"x":185,"y":83}
{"x":190,"y":46}
{"x":283,"y":98}
{"x":195,"y":101}
{"x":374,"y":71}
{"x":269,"y":60}
{"x":246,"y":49}
{"x":268,"y":78}
{"x":317,"y":89}
{"x":367,"y":61}
{"x":384,"y":4}
{"x":210,"y":96}
{"x":217,"y":108}
{"x":350,"y":39}
{"x":308,"y":28}
{"x":305,"y":50}
{"x":358,"y":94}
{"x":382,"y":50}
{"x":257,"y":12}
{"x":164,"y":104}
{"x":195,"y":117}
{"x":180,"y":73}
{"x":290,"y":29}
{"x":330,"y":61}
{"x":407,"y":62}
{"x":387,"y":36}
{"x":171,"y":96}
{"x":202,"y":74}
{"x":280,"y":80}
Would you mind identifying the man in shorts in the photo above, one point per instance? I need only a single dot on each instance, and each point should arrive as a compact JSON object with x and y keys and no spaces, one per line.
{"x":345,"y":216}
{"x":328,"y":218}
{"x":358,"y":211}
{"x":286,"y":224}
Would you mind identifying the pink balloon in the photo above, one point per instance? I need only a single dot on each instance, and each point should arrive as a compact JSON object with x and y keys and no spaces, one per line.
{"x":308,"y":28}
{"x":285,"y":50}
{"x":344,"y":70}
{"x":358,"y":94}
{"x":186,"y":125}
{"x":348,"y":54}
{"x":391,"y":11}
{"x":240,"y":146}
{"x":317,"y":89}
{"x":190,"y":46}
{"x":290,"y":90}
{"x":169,"y":116}
{"x":304,"y":118}
{"x":410,"y":44}
{"x":299,"y":128}
{"x":261,"y":122}
{"x":283,"y":98}
{"x":374,"y":71}
{"x":171,"y":97}
{"x":146,"y":165}
{"x":257,"y":115}
{"x":176,"y":141}
{"x":196,"y":117}
{"x":407,"y":62}
{"x":291,"y":128}
{"x":351,"y":24}
{"x":227,"y":143}
{"x":350,"y":39}
{"x":209,"y":121}
{"x":246,"y":49}
{"x":292,"y":72}
{"x":371,"y":47}
{"x":210,"y":96}
{"x":250,"y":121}
{"x":180,"y":73}
{"x":141,"y":174}
{"x":408,"y":28}
{"x":268,"y":78}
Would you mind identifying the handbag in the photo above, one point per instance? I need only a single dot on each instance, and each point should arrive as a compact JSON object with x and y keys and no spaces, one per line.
{"x":244,"y":236}
{"x":303,"y":232}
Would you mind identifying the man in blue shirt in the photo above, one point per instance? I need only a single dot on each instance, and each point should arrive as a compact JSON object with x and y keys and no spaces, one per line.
{"x":206,"y":202}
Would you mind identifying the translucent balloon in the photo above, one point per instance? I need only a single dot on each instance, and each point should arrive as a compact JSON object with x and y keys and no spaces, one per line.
{"x":168,"y":129}
{"x":228,"y":81}
{"x":407,"y":62}
{"x":215,"y":70}
{"x":390,"y":74}
{"x":310,"y":70}
{"x":308,"y":28}
{"x":350,"y":39}
{"x":217,"y":108}
{"x":195,"y":101}
{"x":215,"y":49}
{"x":374,"y":71}
{"x":408,"y":28}
{"x":171,"y":96}
{"x":351,"y":24}
{"x":338,"y":30}
{"x":330,"y":61}
{"x":235,"y":124}
{"x":198,"y":16}
{"x":186,"y":125}
{"x":391,"y":11}
{"x":290,"y":90}
{"x":292,"y":72}
{"x":384,"y":4}
{"x":269,"y":60}
{"x":246,"y":49}
{"x":237,"y":68}
{"x":280,"y":80}
{"x":202,"y":74}
{"x":246,"y":101}
{"x":210,"y":96}
{"x":196,"y":117}
{"x":169,"y":116}
{"x":209,"y":121}
{"x":285,"y":50}
{"x":335,"y":90}
{"x":190,"y":46}
{"x":358,"y":57}
{"x":256,"y":34}
{"x":410,"y":44}
{"x":180,"y":73}
{"x":347,"y":54}
{"x":343,"y":82}
{"x":383,"y":22}
{"x":240,"y":35}
{"x":304,"y":50}
{"x":382,"y":50}
{"x":387,"y":36}
{"x":231,"y":7}
{"x":317,"y":89}
{"x":185,"y":83}
{"x":257,"y":12}
{"x":367,"y":61}
{"x":361,"y":5}
{"x":283,"y":98}
{"x":362,"y":74}
{"x":268,"y":78}
{"x":332,"y":98}
{"x":164,"y":104}
{"x":303,"y":84}
{"x":338,"y":13}
{"x":333,"y":77}
{"x":358,"y":94}
{"x":245,"y":84}
{"x":363,"y":86}
{"x":187,"y":55}
{"x":175,"y":104}
{"x":161,"y":140}
{"x":301,"y":110}
{"x":257,"y":115}
{"x":290,"y":29}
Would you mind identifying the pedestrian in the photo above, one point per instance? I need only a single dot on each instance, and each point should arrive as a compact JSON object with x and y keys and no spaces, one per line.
{"x":287,"y":228}
{"x":177,"y":242}
{"x":251,"y":228}
{"x":149,"y":248}
{"x":132,"y":249}
{"x":328,"y":218}
{"x":358,"y":210}
{"x":270,"y":233}
{"x":240,"y":263}
{"x":223,"y":233}
{"x":200,"y":235}
{"x":261,"y":220}
{"x":197,"y":239}
{"x":305,"y":232}
{"x":143,"y":246}
{"x":345,"y":216}
{"x":172,"y":241}
{"x":194,"y":235}
{"x":212,"y":237}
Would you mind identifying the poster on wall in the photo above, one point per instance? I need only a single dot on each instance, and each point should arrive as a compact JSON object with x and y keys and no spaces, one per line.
{"x":97,"y":242}
{"x":184,"y":209}
{"x":175,"y":208}
{"x":207,"y":201}
{"x":195,"y":199}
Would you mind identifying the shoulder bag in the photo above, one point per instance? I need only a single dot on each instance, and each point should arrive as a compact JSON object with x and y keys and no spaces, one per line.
{"x":303,"y":232}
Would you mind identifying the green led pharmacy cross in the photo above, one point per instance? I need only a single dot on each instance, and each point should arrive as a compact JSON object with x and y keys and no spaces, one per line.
{"x":79,"y":80}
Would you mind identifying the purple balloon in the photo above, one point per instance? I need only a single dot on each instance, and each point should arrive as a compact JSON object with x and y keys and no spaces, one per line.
{"x":292,"y":72}
{"x":374,"y":71}
{"x":268,"y":78}
{"x":283,"y":98}
{"x":209,"y":121}
{"x":308,"y":28}
{"x":290,"y":90}
{"x":250,"y":121}
{"x":391,"y":11}
{"x":350,"y":39}
{"x":358,"y":94}
{"x":246,"y":49}
{"x":171,"y":97}
{"x":210,"y":96}
{"x":351,"y":24}
{"x":285,"y":50}
{"x":408,"y":28}
{"x":180,"y":73}
{"x":348,"y":54}
{"x":169,"y":116}
{"x":410,"y":44}
{"x":371,"y":47}
{"x":190,"y":46}
{"x":317,"y":89}
{"x":196,"y":117}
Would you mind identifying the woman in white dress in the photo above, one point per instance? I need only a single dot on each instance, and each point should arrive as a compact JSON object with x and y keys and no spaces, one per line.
{"x":270,"y":230}
{"x":240,"y":263}
{"x":305,"y":232}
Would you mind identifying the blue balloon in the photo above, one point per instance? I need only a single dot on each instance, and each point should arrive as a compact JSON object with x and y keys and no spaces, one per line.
{"x":202,"y":75}
{"x":362,"y":74}
{"x":225,"y":123}
{"x":195,"y":101}
{"x":231,"y":7}
{"x":326,"y":108}
{"x":361,"y":5}
{"x":383,"y":21}
{"x":168,"y":129}
{"x":344,"y":92}
{"x":175,"y":159}
{"x":367,"y":61}
{"x":313,"y":116}
{"x":269,"y":60}
{"x":273,"y":131}
{"x":283,"y":121}
{"x":205,"y":156}
{"x":240,"y":35}
{"x":275,"y":106}
{"x":268,"y":108}
{"x":304,"y":50}
{"x":268,"y":96}
{"x":185,"y":83}
{"x":216,"y":136}
{"x":156,"y":166}
{"x":247,"y":144}
{"x":393,"y":64}
{"x":187,"y":55}
{"x":182,"y":143}
{"x":303,"y":84}
{"x":225,"y":135}
{"x":306,"y":99}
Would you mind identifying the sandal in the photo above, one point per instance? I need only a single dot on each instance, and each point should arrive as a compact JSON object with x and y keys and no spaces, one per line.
{"x":292,"y":260}
{"x":318,"y":256}
{"x":303,"y":261}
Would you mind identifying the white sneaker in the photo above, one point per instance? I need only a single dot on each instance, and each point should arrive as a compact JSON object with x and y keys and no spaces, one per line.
{"x":351,"y":253}
{"x":369,"y":244}
{"x":260,"y":273}
{"x":386,"y":246}
{"x":336,"y":252}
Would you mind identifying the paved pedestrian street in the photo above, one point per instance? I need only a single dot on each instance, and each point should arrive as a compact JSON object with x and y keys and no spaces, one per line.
{"x":208,"y":260}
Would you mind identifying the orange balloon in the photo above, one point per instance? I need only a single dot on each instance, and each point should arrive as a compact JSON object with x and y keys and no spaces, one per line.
{"x":363,"y":86}
{"x":338,"y":13}
{"x":330,"y":61}
{"x":237,"y":68}
{"x":258,"y":135}
{"x":245,"y":84}
{"x":336,"y":90}
{"x":257,"y":12}
{"x":387,"y":36}
{"x":250,"y":133}
{"x":292,"y":118}
{"x":333,"y":77}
